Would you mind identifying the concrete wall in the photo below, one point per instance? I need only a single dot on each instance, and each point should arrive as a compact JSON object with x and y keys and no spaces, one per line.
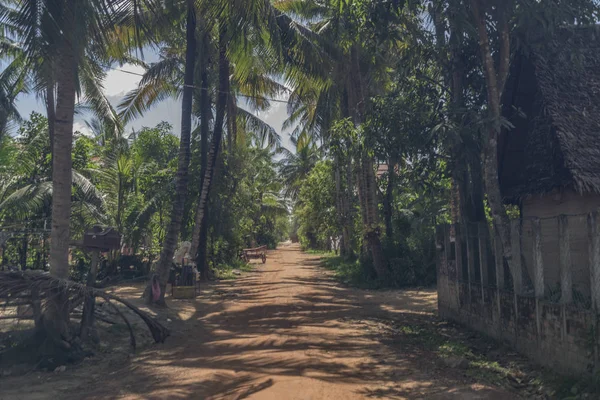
{"x":552,"y":335}
{"x":547,"y":208}
{"x":560,"y":334}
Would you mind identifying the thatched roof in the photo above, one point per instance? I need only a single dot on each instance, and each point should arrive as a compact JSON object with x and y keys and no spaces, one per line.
{"x":556,"y":144}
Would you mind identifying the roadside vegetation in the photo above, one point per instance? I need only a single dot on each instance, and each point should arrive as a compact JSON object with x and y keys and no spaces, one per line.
{"x":393,"y":113}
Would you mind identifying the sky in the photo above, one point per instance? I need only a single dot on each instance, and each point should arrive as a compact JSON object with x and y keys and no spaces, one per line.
{"x":118,"y":83}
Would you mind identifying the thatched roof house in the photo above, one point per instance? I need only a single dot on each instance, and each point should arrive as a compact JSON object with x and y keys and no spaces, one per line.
{"x":553,"y":101}
{"x":549,"y":163}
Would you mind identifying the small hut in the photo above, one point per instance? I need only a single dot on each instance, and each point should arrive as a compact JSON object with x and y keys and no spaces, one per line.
{"x":549,"y":162}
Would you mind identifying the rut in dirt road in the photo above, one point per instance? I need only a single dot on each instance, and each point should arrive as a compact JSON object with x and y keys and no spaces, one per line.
{"x":289,"y":331}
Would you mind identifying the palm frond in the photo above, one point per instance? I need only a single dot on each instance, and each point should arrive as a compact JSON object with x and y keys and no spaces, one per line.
{"x":27,"y":200}
{"x":89,"y":193}
{"x":143,"y":98}
{"x":94,"y":95}
{"x":263,"y":132}
{"x":305,"y":10}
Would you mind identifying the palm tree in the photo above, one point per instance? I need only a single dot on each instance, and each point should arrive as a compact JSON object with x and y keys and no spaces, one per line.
{"x":62,"y":48}
{"x":251,"y":75}
{"x":201,"y":223}
{"x":26,"y":191}
{"x":239,"y":72}
{"x":168,"y":250}
{"x":358,"y":73}
{"x":63,"y":33}
{"x":313,"y":108}
{"x":266,"y":193}
{"x":295,"y":166}
{"x":200,"y":233}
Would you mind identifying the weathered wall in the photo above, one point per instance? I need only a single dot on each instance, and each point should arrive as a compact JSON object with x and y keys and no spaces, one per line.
{"x":546,"y":207}
{"x":562,"y":336}
{"x":553,"y":335}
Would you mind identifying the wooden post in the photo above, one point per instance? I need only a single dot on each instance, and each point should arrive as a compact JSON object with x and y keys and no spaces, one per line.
{"x":515,"y":238}
{"x":482,"y":231}
{"x":594,"y":254}
{"x":538,"y":262}
{"x":87,"y":319}
{"x":564,"y":247}
{"x":499,"y":258}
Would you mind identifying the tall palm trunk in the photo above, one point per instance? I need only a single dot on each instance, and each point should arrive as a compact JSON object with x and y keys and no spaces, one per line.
{"x":56,"y":314}
{"x":342,"y":205}
{"x":348,"y":196}
{"x":231,"y":125}
{"x":344,"y":189}
{"x":61,"y":164}
{"x":339,"y":204}
{"x":168,"y":250}
{"x":200,"y":232}
{"x":51,"y":113}
{"x":199,"y":242}
{"x":370,"y":215}
{"x":367,"y":185}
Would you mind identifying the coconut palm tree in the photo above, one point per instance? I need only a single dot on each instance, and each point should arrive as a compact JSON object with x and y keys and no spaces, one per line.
{"x":170,"y":242}
{"x":238,"y":71}
{"x":62,"y":47}
{"x":357,"y":74}
{"x":63,"y":33}
{"x":295,"y":166}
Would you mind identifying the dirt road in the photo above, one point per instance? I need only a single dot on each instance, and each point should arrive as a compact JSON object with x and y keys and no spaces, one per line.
{"x":285,"y":331}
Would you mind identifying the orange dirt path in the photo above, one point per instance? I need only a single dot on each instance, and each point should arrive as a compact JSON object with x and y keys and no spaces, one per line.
{"x":285,"y":331}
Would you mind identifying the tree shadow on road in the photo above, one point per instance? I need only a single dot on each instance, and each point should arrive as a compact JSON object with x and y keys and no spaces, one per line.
{"x":289,"y":319}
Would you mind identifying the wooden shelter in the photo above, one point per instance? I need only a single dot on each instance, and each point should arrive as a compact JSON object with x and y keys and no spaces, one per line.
{"x":549,"y":162}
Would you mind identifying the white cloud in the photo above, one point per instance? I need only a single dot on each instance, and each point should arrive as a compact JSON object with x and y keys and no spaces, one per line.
{"x":117,"y":82}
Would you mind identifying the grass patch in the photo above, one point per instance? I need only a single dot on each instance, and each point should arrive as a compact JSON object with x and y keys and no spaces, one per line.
{"x":500,"y":366}
{"x":350,"y":272}
{"x":489,"y":371}
{"x":323,"y":253}
{"x":453,"y":349}
{"x":228,"y":271}
{"x":481,"y":367}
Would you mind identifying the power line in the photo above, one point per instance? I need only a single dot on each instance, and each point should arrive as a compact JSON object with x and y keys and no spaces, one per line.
{"x":200,"y":88}
{"x":248,"y":96}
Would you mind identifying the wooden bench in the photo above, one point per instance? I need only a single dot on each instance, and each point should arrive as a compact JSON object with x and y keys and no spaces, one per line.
{"x":257,"y":252}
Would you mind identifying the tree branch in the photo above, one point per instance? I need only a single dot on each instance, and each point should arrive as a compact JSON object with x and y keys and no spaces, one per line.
{"x":487,"y":60}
